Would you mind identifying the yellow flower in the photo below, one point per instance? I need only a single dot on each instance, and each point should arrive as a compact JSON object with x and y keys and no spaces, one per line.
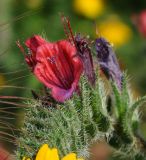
{"x":45,"y":153}
{"x":2,"y":80}
{"x":89,"y":8}
{"x":24,"y":158}
{"x":34,"y":4}
{"x":115,"y":31}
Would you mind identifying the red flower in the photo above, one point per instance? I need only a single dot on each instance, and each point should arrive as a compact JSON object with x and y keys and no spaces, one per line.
{"x":140,"y":22}
{"x":4,"y":155}
{"x":56,"y":65}
{"x":33,"y":43}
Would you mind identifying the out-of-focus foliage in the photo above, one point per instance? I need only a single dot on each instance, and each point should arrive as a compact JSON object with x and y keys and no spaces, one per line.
{"x":127,"y":6}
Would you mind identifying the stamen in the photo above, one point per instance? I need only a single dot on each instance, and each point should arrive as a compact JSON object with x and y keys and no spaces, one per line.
{"x":64,"y":26}
{"x":68,"y":32}
{"x":70,"y":29}
{"x":51,"y":59}
{"x":20,"y":46}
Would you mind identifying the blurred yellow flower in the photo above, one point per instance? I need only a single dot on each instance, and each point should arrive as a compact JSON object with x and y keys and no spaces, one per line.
{"x":115,"y":31}
{"x":2,"y":80}
{"x":45,"y":153}
{"x":24,"y":158}
{"x":89,"y":8}
{"x":34,"y":4}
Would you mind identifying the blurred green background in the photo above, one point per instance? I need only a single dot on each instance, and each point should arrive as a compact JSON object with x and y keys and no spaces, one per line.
{"x":114,"y":19}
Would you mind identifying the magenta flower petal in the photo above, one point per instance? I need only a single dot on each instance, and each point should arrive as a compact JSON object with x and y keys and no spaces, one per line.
{"x":61,"y":94}
{"x":34,"y":42}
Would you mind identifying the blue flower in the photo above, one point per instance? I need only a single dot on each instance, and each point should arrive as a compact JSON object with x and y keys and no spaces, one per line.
{"x":107,"y":61}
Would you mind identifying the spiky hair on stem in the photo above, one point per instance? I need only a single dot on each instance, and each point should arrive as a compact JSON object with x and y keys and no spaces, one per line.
{"x":84,"y":120}
{"x":92,"y":115}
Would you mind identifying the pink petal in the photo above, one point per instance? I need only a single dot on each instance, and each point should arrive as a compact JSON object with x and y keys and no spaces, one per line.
{"x":47,"y":68}
{"x":78,"y":68}
{"x":58,"y":93}
{"x":49,"y":79}
{"x":68,"y":48}
{"x":34,"y":42}
{"x":66,"y":62}
{"x":61,"y":95}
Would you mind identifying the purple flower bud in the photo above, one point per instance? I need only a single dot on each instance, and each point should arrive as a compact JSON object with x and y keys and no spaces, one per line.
{"x":108,"y":61}
{"x":85,"y":54}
